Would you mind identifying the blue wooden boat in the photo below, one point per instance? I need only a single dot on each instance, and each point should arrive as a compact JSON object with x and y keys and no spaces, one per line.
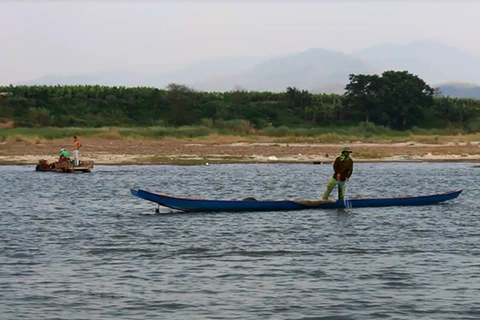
{"x":251,"y":204}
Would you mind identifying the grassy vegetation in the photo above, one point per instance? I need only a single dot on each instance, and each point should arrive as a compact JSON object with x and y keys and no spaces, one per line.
{"x":238,"y":111}
{"x":363,"y":133}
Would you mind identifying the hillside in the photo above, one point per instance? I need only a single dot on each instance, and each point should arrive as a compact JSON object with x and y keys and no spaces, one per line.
{"x":460,"y":91}
{"x":205,"y":69}
{"x":190,"y":73}
{"x":317,"y":69}
{"x":307,"y":70}
{"x":431,"y":60}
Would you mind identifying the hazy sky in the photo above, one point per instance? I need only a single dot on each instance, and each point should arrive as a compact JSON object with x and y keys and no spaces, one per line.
{"x":44,"y":37}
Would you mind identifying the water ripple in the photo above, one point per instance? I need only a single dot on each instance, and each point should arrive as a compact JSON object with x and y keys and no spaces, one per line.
{"x":81,"y":247}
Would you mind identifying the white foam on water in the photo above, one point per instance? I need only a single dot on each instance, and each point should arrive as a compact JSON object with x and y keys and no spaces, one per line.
{"x":346,"y":203}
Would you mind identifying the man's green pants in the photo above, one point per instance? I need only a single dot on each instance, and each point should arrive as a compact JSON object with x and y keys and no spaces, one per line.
{"x":331,"y":184}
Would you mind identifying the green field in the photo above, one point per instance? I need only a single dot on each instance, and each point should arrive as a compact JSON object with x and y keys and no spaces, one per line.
{"x":242,"y":131}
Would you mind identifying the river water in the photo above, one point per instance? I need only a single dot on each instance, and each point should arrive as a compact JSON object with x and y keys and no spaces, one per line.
{"x":79,"y":246}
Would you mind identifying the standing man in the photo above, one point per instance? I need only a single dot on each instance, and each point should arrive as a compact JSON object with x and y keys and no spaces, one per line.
{"x":343,"y":168}
{"x":76,"y":146}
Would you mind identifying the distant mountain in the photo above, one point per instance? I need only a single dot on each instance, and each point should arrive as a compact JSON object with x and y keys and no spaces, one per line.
{"x":460,"y":90}
{"x":431,"y":60}
{"x":306,"y":70}
{"x":204,"y":69}
{"x":190,"y":73}
{"x":316,"y":69}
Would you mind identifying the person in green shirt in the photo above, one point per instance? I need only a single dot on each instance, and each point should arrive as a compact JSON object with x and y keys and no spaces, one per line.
{"x":64,"y":156}
{"x":343,"y":169}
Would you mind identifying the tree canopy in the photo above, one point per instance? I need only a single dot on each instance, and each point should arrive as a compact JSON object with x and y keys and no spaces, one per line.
{"x":395,"y":99}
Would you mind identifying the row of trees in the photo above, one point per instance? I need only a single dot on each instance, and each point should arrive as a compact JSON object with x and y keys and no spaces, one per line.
{"x":398,"y":100}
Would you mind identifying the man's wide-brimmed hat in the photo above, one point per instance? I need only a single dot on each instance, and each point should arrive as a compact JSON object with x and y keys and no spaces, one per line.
{"x":347,"y":149}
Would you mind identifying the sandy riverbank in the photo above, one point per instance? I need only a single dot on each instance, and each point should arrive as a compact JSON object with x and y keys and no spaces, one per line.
{"x":175,"y":151}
